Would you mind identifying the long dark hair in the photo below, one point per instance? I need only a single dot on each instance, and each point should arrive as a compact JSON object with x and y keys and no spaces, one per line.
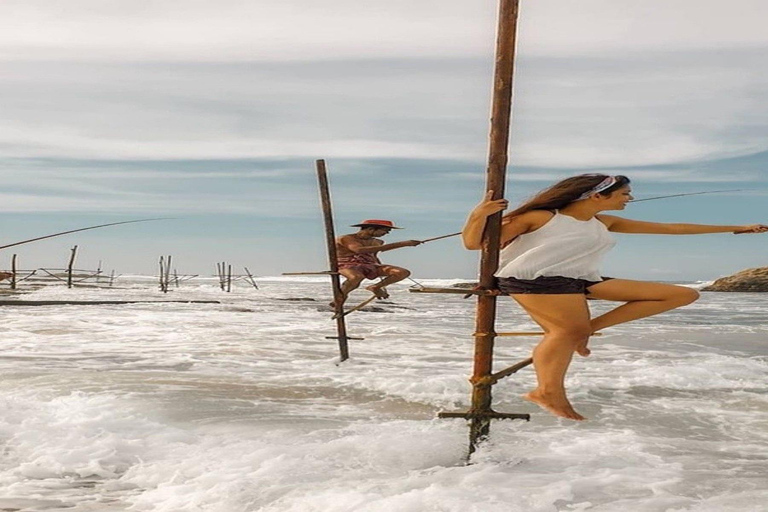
{"x":565,"y":192}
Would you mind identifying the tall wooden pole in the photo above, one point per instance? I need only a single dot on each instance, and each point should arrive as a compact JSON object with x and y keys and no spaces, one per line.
{"x":330,"y":239}
{"x":13,"y":272}
{"x":70,"y":266}
{"x":167,"y":274}
{"x":495,"y":179}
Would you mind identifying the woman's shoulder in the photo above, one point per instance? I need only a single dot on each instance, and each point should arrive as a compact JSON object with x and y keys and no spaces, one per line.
{"x":608,"y":220}
{"x":527,"y":222}
{"x":536,"y":218}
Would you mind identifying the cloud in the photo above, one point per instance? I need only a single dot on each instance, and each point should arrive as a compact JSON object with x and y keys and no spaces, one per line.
{"x":43,"y":143}
{"x":199,"y":30}
{"x":575,"y":113}
{"x":236,"y":30}
{"x":551,"y":27}
{"x":147,"y":203}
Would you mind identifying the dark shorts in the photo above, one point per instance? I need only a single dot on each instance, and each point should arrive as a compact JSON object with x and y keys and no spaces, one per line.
{"x":552,"y":285}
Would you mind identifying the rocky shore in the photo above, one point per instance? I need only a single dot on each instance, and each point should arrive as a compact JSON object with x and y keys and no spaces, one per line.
{"x":750,"y":280}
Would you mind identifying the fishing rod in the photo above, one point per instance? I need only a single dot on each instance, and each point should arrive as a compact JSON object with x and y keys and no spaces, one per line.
{"x":77,"y":230}
{"x":687,"y":194}
{"x":632,"y":201}
{"x":440,"y":237}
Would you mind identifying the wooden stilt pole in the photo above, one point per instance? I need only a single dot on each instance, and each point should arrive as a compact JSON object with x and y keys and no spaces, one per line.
{"x":485,"y":317}
{"x":167,"y":274}
{"x":250,"y":278}
{"x":162,"y":273}
{"x":69,"y":267}
{"x":13,"y":272}
{"x":330,"y":239}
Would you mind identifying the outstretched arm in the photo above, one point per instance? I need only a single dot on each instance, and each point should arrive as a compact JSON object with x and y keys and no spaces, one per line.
{"x":622,"y":225}
{"x":359,"y":248}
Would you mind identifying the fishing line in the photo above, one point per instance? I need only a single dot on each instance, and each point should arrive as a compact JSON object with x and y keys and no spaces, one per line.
{"x":77,"y":230}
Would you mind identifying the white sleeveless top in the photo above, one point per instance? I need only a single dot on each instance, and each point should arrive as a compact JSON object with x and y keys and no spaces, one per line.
{"x":564,"y":246}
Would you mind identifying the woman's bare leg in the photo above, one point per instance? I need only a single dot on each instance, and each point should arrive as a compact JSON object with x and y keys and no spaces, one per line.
{"x":642,"y":299}
{"x":565,"y":320}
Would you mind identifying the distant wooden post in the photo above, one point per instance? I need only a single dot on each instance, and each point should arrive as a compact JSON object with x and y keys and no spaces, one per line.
{"x":112,"y":278}
{"x":13,"y":272}
{"x":167,"y":274}
{"x":229,"y":278}
{"x":330,"y":239}
{"x":69,"y":267}
{"x":221,"y":268}
{"x":250,"y":278}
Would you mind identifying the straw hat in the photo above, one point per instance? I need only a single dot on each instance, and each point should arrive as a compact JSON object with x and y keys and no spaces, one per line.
{"x":376,"y":222}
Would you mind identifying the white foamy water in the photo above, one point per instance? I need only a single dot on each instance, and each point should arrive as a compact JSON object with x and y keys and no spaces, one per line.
{"x":241,"y":406}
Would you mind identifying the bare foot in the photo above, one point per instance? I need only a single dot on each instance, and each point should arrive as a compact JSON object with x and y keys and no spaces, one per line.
{"x":380,"y":293}
{"x":583,"y":350}
{"x":333,"y":302}
{"x":556,"y":404}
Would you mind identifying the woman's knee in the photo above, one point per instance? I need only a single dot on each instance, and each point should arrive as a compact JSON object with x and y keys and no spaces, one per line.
{"x":684,"y":295}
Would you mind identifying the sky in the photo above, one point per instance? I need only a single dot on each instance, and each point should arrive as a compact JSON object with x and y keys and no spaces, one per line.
{"x":211,"y":115}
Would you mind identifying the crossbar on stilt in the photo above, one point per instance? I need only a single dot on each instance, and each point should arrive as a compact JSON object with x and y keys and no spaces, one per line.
{"x":320,"y":273}
{"x":523,"y":333}
{"x":486,"y":415}
{"x":456,"y":291}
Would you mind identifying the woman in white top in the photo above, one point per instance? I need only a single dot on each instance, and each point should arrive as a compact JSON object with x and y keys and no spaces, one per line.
{"x":551,"y":250}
